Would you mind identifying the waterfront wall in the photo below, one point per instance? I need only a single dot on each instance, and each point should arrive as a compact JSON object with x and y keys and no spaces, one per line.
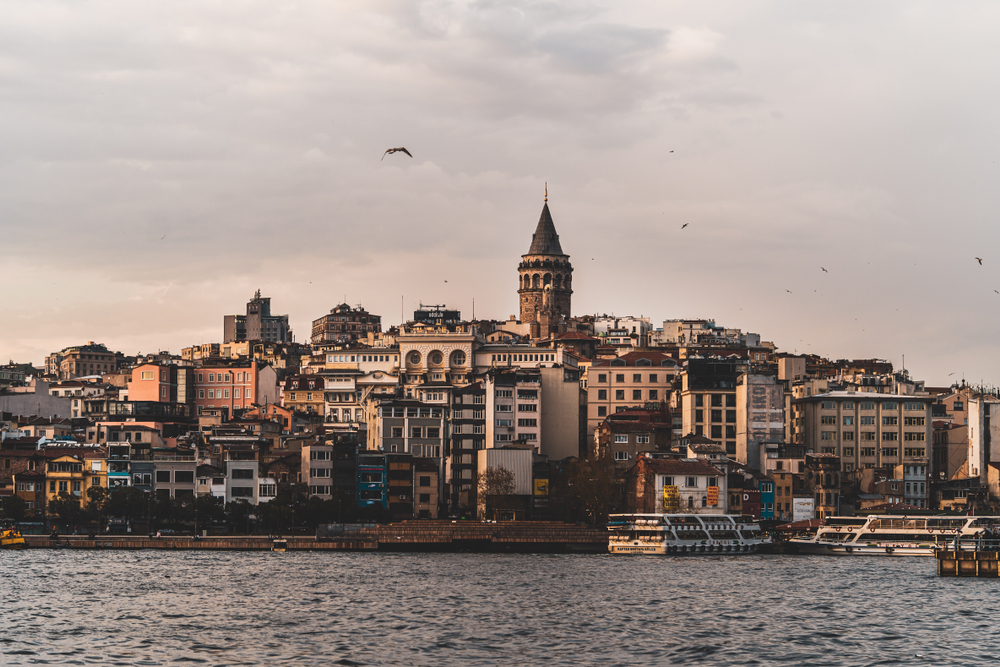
{"x":516,"y":536}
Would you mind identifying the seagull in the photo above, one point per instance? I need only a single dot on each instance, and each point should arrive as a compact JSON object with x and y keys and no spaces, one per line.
{"x":390,"y":151}
{"x":163,"y":237}
{"x":789,"y":291}
{"x":824,"y":270}
{"x":979,"y":260}
{"x":685,"y":225}
{"x":998,"y":292}
{"x":950,"y":374}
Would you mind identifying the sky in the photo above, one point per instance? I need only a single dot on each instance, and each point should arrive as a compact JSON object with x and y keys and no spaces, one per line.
{"x":160,"y":162}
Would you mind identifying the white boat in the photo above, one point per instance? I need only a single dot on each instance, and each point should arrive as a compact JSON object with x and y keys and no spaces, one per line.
{"x":895,"y":535}
{"x":666,"y":534}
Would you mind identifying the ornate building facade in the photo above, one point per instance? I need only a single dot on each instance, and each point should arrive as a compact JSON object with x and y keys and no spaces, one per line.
{"x":545,"y":280}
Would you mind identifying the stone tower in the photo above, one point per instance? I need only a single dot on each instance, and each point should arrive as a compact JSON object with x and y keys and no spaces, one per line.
{"x":545,"y":279}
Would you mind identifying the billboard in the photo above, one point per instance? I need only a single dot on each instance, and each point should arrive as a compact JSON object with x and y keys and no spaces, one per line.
{"x":751,"y":503}
{"x":541,"y":487}
{"x":713,"y":495}
{"x":671,"y":498}
{"x":803,"y":509}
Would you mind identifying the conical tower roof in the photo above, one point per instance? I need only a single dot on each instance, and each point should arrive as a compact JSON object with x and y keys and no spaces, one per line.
{"x":545,"y":241}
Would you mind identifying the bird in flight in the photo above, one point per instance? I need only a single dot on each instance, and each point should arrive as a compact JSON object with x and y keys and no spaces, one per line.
{"x":789,"y":291}
{"x":997,"y":291}
{"x":950,"y":374}
{"x":163,"y":237}
{"x":978,"y":259}
{"x":824,"y":270}
{"x":390,"y":151}
{"x":685,"y":225}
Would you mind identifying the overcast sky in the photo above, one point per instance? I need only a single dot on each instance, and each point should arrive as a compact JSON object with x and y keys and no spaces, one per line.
{"x":159,"y":162}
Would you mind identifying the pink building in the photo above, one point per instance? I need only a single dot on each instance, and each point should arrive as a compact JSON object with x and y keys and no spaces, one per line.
{"x":231,"y":387}
{"x":152,"y":382}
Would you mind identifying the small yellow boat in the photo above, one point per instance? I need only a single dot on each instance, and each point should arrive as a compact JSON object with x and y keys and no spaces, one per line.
{"x":11,"y":539}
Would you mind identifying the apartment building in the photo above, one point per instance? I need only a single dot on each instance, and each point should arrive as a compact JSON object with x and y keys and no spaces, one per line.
{"x":633,"y":380}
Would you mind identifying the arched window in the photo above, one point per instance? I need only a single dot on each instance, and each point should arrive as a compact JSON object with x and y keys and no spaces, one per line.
{"x":536,"y":281}
{"x":643,"y":362}
{"x":557,"y":281}
{"x":548,"y":279}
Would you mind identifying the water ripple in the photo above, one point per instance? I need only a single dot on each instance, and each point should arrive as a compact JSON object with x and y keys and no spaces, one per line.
{"x":163,"y":608}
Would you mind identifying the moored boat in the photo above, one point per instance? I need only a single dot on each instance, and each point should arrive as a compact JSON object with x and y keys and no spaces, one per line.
{"x":10,"y":538}
{"x":668,"y":534}
{"x":897,"y":535}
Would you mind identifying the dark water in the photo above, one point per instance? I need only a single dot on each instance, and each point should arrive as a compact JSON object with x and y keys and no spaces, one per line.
{"x":145,"y":608}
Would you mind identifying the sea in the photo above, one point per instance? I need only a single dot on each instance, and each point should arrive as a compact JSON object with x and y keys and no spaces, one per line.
{"x":66,"y":607}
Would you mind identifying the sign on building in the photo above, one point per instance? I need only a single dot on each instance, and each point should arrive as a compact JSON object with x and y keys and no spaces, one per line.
{"x":713,"y":495}
{"x":751,"y":503}
{"x":803,"y":509}
{"x":671,"y":498}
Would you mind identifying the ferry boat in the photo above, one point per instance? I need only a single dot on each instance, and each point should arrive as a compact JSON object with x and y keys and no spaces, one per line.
{"x":665,"y":534}
{"x":10,"y":538}
{"x":894,"y":535}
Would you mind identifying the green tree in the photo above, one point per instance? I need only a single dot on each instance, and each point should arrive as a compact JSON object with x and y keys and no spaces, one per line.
{"x":67,"y":509}
{"x":13,"y":508}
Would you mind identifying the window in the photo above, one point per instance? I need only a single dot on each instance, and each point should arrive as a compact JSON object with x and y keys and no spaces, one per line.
{"x":847,"y":435}
{"x":890,"y":452}
{"x":867,"y":405}
{"x":397,"y":432}
{"x":162,"y":476}
{"x":148,"y":375}
{"x":619,"y":394}
{"x":730,"y":416}
{"x":527,"y":422}
{"x":184,"y":477}
{"x":201,"y":393}
{"x":602,"y":377}
{"x":637,"y":394}
{"x":716,"y":400}
{"x":242,"y":473}
{"x":319,"y":472}
{"x":913,"y":421}
{"x":890,"y":421}
{"x":653,"y":377}
{"x":425,"y":498}
{"x":699,"y":400}
{"x":828,"y":420}
{"x":868,"y":421}
{"x":828,"y":405}
{"x":621,"y":456}
{"x":242,"y":492}
{"x":642,"y":439}
{"x":268,"y":490}
{"x":848,"y":451}
{"x":717,"y":415}
{"x":637,"y":377}
{"x":602,"y":394}
{"x":699,"y":415}
{"x":730,"y":400}
{"x":848,"y":421}
{"x":691,"y":482}
{"x":867,"y":451}
{"x":225,"y":394}
{"x":504,"y":408}
{"x":621,"y":439}
{"x":433,"y":432}
{"x":416,"y":432}
{"x":602,"y":411}
{"x":867,"y":435}
{"x":828,"y":435}
{"x":236,"y":392}
{"x":716,"y":432}
{"x":504,"y":393}
{"x":95,"y":481}
{"x":527,"y":407}
{"x":654,"y":395}
{"x":847,"y":405}
{"x":958,"y":406}
{"x":890,"y":436}
{"x":211,"y":377}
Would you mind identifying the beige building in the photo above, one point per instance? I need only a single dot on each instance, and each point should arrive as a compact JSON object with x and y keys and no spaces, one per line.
{"x":865,"y":429}
{"x":633,"y":380}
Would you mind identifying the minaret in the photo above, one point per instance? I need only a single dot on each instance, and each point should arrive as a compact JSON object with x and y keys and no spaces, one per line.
{"x":545,"y":266}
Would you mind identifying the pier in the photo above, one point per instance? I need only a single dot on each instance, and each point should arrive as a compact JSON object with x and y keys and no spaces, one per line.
{"x":978,"y":563}
{"x":426,"y":536}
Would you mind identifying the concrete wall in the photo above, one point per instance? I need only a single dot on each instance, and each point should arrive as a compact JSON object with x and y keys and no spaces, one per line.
{"x":39,"y":403}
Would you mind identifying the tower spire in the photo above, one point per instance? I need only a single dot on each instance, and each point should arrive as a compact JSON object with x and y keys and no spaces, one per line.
{"x":546,"y":191}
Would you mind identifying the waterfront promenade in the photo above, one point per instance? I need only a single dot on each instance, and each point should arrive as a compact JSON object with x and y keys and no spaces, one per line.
{"x":473,"y":536}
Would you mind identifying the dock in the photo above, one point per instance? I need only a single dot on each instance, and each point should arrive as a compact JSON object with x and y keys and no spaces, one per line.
{"x":424,"y":536}
{"x":972,"y":563}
